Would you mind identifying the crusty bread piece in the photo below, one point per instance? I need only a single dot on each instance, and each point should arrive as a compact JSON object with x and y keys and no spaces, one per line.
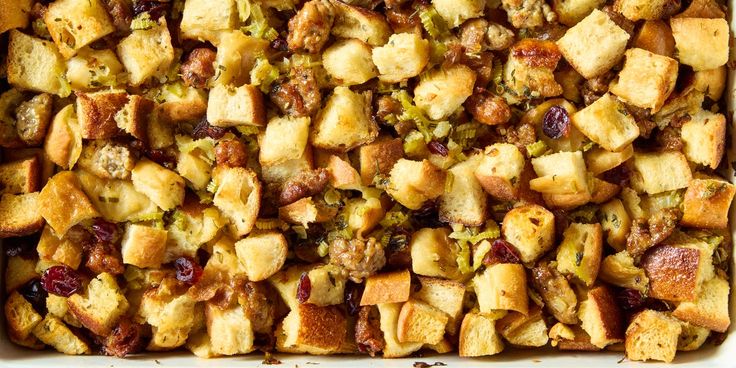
{"x":19,"y":271}
{"x":313,"y":330}
{"x":607,"y":123}
{"x":146,"y":52}
{"x":601,"y":317}
{"x":528,"y":73}
{"x":236,"y":55}
{"x":433,"y":253}
{"x":704,"y":138}
{"x":602,"y":191}
{"x":712,"y":82}
{"x":655,"y":36}
{"x":502,"y":286}
{"x":280,"y":173}
{"x":200,"y":345}
{"x":344,"y":122}
{"x":238,"y":196}
{"x":645,"y":9}
{"x":710,"y":308}
{"x":62,"y":250}
{"x":306,"y":211}
{"x":143,"y":246}
{"x":181,"y":103}
{"x":230,"y":330}
{"x":133,"y":117}
{"x":660,"y":172}
{"x":389,"y":324}
{"x":20,"y":316}
{"x":478,"y":336}
{"x":692,"y":337}
{"x":328,"y":286}
{"x":204,"y":20}
{"x":599,"y":160}
{"x":52,"y":331}
{"x":456,"y":85}
{"x":455,"y":12}
{"x":163,"y":186}
{"x":560,"y":173}
{"x":101,"y":305}
{"x":232,"y":106}
{"x":14,"y":14}
{"x":20,"y":214}
{"x":379,"y":157}
{"x":74,"y":24}
{"x":96,"y":113}
{"x":619,"y":270}
{"x":421,"y":322}
{"x":349,"y":62}
{"x":342,"y":174}
{"x":616,"y":223}
{"x":465,"y":202}
{"x":445,"y":295}
{"x":22,"y":176}
{"x":707,"y":202}
{"x":403,"y":57}
{"x":646,"y":80}
{"x":524,"y":330}
{"x":59,"y":307}
{"x":412,"y":183}
{"x":652,"y":335}
{"x":531,"y":229}
{"x":570,"y":13}
{"x":262,"y":254}
{"x":63,"y":143}
{"x":570,"y":338}
{"x":701,"y":43}
{"x":500,"y":171}
{"x":357,"y":22}
{"x":676,"y":272}
{"x":171,"y":317}
{"x":285,"y":139}
{"x":36,"y":64}
{"x":46,"y":166}
{"x":580,"y":252}
{"x":389,"y":287}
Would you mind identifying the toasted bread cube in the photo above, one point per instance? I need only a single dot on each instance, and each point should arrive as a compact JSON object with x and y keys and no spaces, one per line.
{"x":262,"y":254}
{"x":579,"y":254}
{"x":204,"y":20}
{"x":116,"y":200}
{"x":328,"y":286}
{"x":645,"y":9}
{"x":710,"y":308}
{"x":194,"y":168}
{"x":383,"y":288}
{"x":230,"y":330}
{"x":704,"y":137}
{"x":601,"y":317}
{"x":660,"y":172}
{"x":236,"y":56}
{"x":181,"y":105}
{"x":692,"y":337}
{"x":655,"y":36}
{"x":314,"y":330}
{"x":52,"y":331}
{"x":200,"y":345}
{"x":445,"y":295}
{"x":146,"y":53}
{"x":286,"y":282}
{"x":389,"y":325}
{"x":455,"y":12}
{"x":712,"y":82}
{"x":646,"y":80}
{"x":63,"y":143}
{"x":379,"y":157}
{"x":478,"y":336}
{"x":531,"y":229}
{"x":238,"y":196}
{"x":20,"y":316}
{"x":90,"y":69}
{"x":20,"y":214}
{"x":529,"y":69}
{"x":599,"y":160}
{"x":500,"y":170}
{"x":619,"y":270}
{"x":676,"y":272}
{"x":74,"y":24}
{"x":353,"y":21}
{"x":285,"y":139}
{"x":163,"y":186}
{"x":101,"y":305}
{"x":706,"y":203}
{"x":62,"y":250}
{"x":652,"y":335}
{"x":421,"y":322}
{"x":63,"y":203}
{"x":96,"y":113}
{"x":349,"y":62}
{"x":442,"y":91}
{"x":143,"y":246}
{"x":281,"y":173}
{"x":502,"y":286}
{"x":594,"y":45}
{"x":524,"y":330}
{"x":403,"y":57}
{"x":465,"y":201}
{"x":602,"y":191}
{"x":171,"y":317}
{"x":307,"y":211}
{"x":345,"y":121}
{"x":35,"y":64}
{"x":230,"y":106}
{"x":342,"y":174}
{"x":18,"y":272}
{"x":570,"y":12}
{"x":701,"y":43}
{"x":433,"y":253}
{"x":412,"y":183}
{"x":607,"y":123}
{"x":571,"y":338}
{"x":560,"y":173}
{"x":14,"y":14}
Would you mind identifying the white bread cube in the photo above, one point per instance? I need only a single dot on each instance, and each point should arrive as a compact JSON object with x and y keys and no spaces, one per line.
{"x":652,"y":335}
{"x":14,"y":14}
{"x":389,"y":287}
{"x":238,"y":196}
{"x":712,"y":82}
{"x":478,"y":336}
{"x":677,"y":272}
{"x":433,"y":253}
{"x":644,"y":9}
{"x":205,"y":20}
{"x":180,"y":103}
{"x":607,"y":123}
{"x":171,"y":317}
{"x":701,"y":43}
{"x":230,"y":106}
{"x":74,"y":24}
{"x":445,"y":295}
{"x":500,"y":171}
{"x":560,"y":173}
{"x":62,"y":250}
{"x":619,"y":270}
{"x":599,"y":160}
{"x":286,"y":282}
{"x":455,"y":12}
{"x":706,"y":203}
{"x":280,"y":173}
{"x":412,"y":183}
{"x":441,"y":91}
{"x":531,"y":229}
{"x":403,"y":57}
{"x":465,"y":201}
{"x":262,"y":254}
{"x":20,"y":214}
{"x":146,"y":53}
{"x":164,"y":187}
{"x":646,"y":80}
{"x":19,"y":271}
{"x":710,"y":308}
{"x":594,"y":45}
{"x":580,"y":252}
{"x":616,"y":223}
{"x":502,"y":286}
{"x":601,"y":317}
{"x":195,"y":168}
{"x":352,"y":21}
{"x":63,"y":203}
{"x":529,"y":69}
{"x":313,"y":330}
{"x":20,"y":316}
{"x":91,"y":68}
{"x":143,"y":246}
{"x":63,"y":143}
{"x":52,"y":331}
{"x":101,"y":305}
{"x":389,"y":325}
{"x":349,"y":62}
{"x":236,"y":56}
{"x":704,"y":138}
{"x":35,"y":64}
{"x":307,"y":211}
{"x":570,"y":12}
{"x":345,"y":122}
{"x":285,"y":139}
{"x":524,"y":330}
{"x":421,"y":322}
{"x":230,"y":330}
{"x":328,"y":286}
{"x":660,"y":172}
{"x":116,"y":200}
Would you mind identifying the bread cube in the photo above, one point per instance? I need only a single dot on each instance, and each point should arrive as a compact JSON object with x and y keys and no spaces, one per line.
{"x":143,"y":246}
{"x":328,"y":286}
{"x":646,"y":80}
{"x":655,"y":36}
{"x":286,"y":281}
{"x":594,"y":45}
{"x":701,"y":43}
{"x":421,"y":322}
{"x":500,"y":171}
{"x":63,"y":143}
{"x":579,"y":254}
{"x":230,"y":330}
{"x":90,"y":69}
{"x":353,"y":21}
{"x":238,"y":196}
{"x":601,"y":317}
{"x":607,"y":123}
{"x":313,"y":330}
{"x":307,"y":211}
{"x":204,"y":20}
{"x":455,"y":12}
{"x":465,"y":201}
{"x":14,"y":14}
{"x":96,"y":113}
{"x":146,"y":53}
{"x":710,"y":308}
{"x":676,"y":273}
{"x":570,"y":337}
{"x":20,"y":316}
{"x":345,"y":121}
{"x":230,"y":106}
{"x":524,"y":330}
{"x":342,"y":174}
{"x":712,"y":82}
{"x":349,"y":62}
{"x":101,"y":305}
{"x":502,"y":286}
{"x":478,"y":336}
{"x":619,"y":270}
{"x":531,"y":229}
{"x":645,"y":9}
{"x":442,"y":91}
{"x":262,"y":254}
{"x":52,"y":331}
{"x":412,"y":183}
{"x":389,"y":314}
{"x":529,"y":69}
{"x":280,"y":173}
{"x":35,"y":64}
{"x":599,"y":160}
{"x":62,"y":250}
{"x":285,"y":139}
{"x":236,"y":56}
{"x":116,"y":200}
{"x":692,"y":337}
{"x":570,"y":12}
{"x":433,"y":253}
{"x":171,"y":317}
{"x":19,"y":271}
{"x":704,"y":138}
{"x":560,"y":173}
{"x":403,"y":57}
{"x":63,"y":203}
{"x":659,"y":172}
{"x":180,"y":103}
{"x":445,"y":295}
{"x":199,"y":344}
{"x":74,"y":24}
{"x":20,"y":214}
{"x":390,"y":287}
{"x":652,"y":335}
{"x":163,"y":186}
{"x":379,"y":157}
{"x":706,"y":203}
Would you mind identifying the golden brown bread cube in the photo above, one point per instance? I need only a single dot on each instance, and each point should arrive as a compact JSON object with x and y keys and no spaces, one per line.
{"x":101,"y":305}
{"x":96,"y":113}
{"x":232,"y":106}
{"x":692,"y":337}
{"x":63,"y":143}
{"x":390,"y":287}
{"x":230,"y":330}
{"x":529,"y":70}
{"x":421,"y":322}
{"x":349,"y":62}
{"x":63,"y":204}
{"x":570,"y":338}
{"x":379,"y":157}
{"x":20,"y":316}
{"x":285,"y":139}
{"x":464,"y":202}
{"x":313,"y":330}
{"x":710,"y":308}
{"x":645,"y":9}
{"x":412,"y":183}
{"x":658,"y":172}
{"x":619,"y":270}
{"x":22,"y":176}
{"x":236,"y":56}
{"x":433,"y":253}
{"x":14,"y":14}
{"x":238,"y":196}
{"x":204,"y":20}
{"x":524,"y":330}
{"x":531,"y":229}
{"x":262,"y":254}
{"x":328,"y":286}
{"x":478,"y":336}
{"x":701,"y":43}
{"x":164,"y":187}
{"x":676,"y":272}
{"x":704,"y":138}
{"x":616,"y":223}
{"x":171,"y":317}
{"x":342,"y":174}
{"x":706,"y":203}
{"x":389,"y":320}
{"x":146,"y":53}
{"x":646,"y":80}
{"x":143,"y":246}
{"x":403,"y":57}
{"x":607,"y":123}
{"x":561,"y":173}
{"x":570,"y":12}
{"x":52,"y":331}
{"x":580,"y":252}
{"x":62,"y":250}
{"x":601,"y":317}
{"x":442,"y":91}
{"x":655,"y":36}
{"x":20,"y":214}
{"x":357,"y":22}
{"x":74,"y":24}
{"x":344,"y":122}
{"x":19,"y":271}
{"x":502,"y":286}
{"x":652,"y":335}
{"x":306,"y":211}
{"x":91,"y":69}
{"x":445,"y":295}
{"x":500,"y":171}
{"x":35,"y":64}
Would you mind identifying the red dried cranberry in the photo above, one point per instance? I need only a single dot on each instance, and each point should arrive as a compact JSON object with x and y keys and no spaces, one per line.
{"x":204,"y":130}
{"x":61,"y":280}
{"x":279,"y":44}
{"x":188,"y":270}
{"x":618,"y":175}
{"x":629,"y":299}
{"x":304,"y":288}
{"x":353,"y":293}
{"x":162,"y":158}
{"x":104,"y":231}
{"x":501,"y":252}
{"x":154,"y":8}
{"x":438,"y":148}
{"x":556,"y":122}
{"x":35,"y":294}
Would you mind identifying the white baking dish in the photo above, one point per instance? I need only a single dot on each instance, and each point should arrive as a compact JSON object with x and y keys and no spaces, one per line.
{"x":709,"y":356}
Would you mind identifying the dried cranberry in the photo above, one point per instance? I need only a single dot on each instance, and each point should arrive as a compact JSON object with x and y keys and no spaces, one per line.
{"x":279,"y":44}
{"x":154,"y":8}
{"x":426,"y":216}
{"x":104,"y":232}
{"x":162,"y":158}
{"x":501,"y":252}
{"x":353,"y":293}
{"x":35,"y":294}
{"x":303,"y":288}
{"x":188,"y":270}
{"x":629,"y":299}
{"x":204,"y":130}
{"x":556,"y":122}
{"x":438,"y":148}
{"x":25,"y":246}
{"x":618,"y":175}
{"x":61,"y":280}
